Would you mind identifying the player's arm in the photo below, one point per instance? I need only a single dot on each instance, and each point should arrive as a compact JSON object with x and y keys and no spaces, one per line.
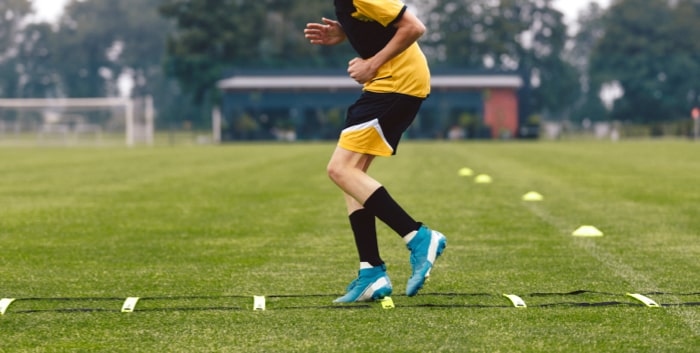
{"x":327,"y":33}
{"x":408,"y":30}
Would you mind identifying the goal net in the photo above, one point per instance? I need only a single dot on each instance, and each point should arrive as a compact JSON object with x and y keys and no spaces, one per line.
{"x":76,"y":121}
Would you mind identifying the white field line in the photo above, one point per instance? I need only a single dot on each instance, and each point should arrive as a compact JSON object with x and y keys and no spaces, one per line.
{"x":619,"y":269}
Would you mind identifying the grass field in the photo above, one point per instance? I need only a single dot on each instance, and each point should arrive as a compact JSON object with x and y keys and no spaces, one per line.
{"x":196,"y":232}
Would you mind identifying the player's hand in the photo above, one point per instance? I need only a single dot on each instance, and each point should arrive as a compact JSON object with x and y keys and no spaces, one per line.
{"x":361,"y":70}
{"x":327,"y":33}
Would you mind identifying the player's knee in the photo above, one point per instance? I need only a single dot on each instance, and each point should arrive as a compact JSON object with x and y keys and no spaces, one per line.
{"x":334,"y":171}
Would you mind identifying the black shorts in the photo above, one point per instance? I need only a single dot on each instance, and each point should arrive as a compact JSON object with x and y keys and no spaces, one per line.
{"x":375,"y":123}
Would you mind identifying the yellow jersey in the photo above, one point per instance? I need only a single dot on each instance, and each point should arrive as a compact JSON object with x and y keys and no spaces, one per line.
{"x":369,"y":26}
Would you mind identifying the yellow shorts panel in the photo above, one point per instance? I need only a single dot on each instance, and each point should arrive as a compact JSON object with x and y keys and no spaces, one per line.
{"x":366,"y":138}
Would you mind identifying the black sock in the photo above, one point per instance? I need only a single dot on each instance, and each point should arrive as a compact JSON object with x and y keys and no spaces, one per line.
{"x":388,"y":211}
{"x":365,"y":231}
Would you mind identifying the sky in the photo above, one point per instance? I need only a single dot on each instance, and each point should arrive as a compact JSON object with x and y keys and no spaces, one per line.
{"x":571,"y":8}
{"x":49,"y":10}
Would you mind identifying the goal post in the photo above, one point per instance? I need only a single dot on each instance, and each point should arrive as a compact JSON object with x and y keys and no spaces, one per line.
{"x":62,"y":116}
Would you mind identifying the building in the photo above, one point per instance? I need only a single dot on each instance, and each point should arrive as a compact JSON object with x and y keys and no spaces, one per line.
{"x":311,"y":105}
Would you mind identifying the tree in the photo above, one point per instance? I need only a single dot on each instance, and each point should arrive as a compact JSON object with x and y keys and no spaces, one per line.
{"x":216,"y":37}
{"x":457,"y":36}
{"x":143,"y":37}
{"x":686,"y":30}
{"x":590,"y":31}
{"x":12,"y":13}
{"x":94,"y":45}
{"x":517,"y":35}
{"x":87,"y":46}
{"x":34,"y":66}
{"x":649,"y":50}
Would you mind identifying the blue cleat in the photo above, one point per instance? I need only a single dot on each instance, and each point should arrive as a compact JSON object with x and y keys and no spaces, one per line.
{"x":371,"y":284}
{"x":425,"y":248}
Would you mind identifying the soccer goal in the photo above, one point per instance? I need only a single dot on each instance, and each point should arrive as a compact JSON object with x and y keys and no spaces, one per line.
{"x":77,"y":121}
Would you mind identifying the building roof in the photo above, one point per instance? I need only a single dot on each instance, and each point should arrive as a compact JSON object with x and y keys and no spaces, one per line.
{"x":335,"y":83}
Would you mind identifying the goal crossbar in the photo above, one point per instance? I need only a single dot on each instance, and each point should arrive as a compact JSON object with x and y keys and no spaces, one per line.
{"x":31,"y":103}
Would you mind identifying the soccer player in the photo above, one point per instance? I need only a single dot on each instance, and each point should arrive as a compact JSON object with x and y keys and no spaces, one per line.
{"x":396,"y":80}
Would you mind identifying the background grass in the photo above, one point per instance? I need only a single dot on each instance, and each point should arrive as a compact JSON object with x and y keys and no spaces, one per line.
{"x":197,"y":231}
